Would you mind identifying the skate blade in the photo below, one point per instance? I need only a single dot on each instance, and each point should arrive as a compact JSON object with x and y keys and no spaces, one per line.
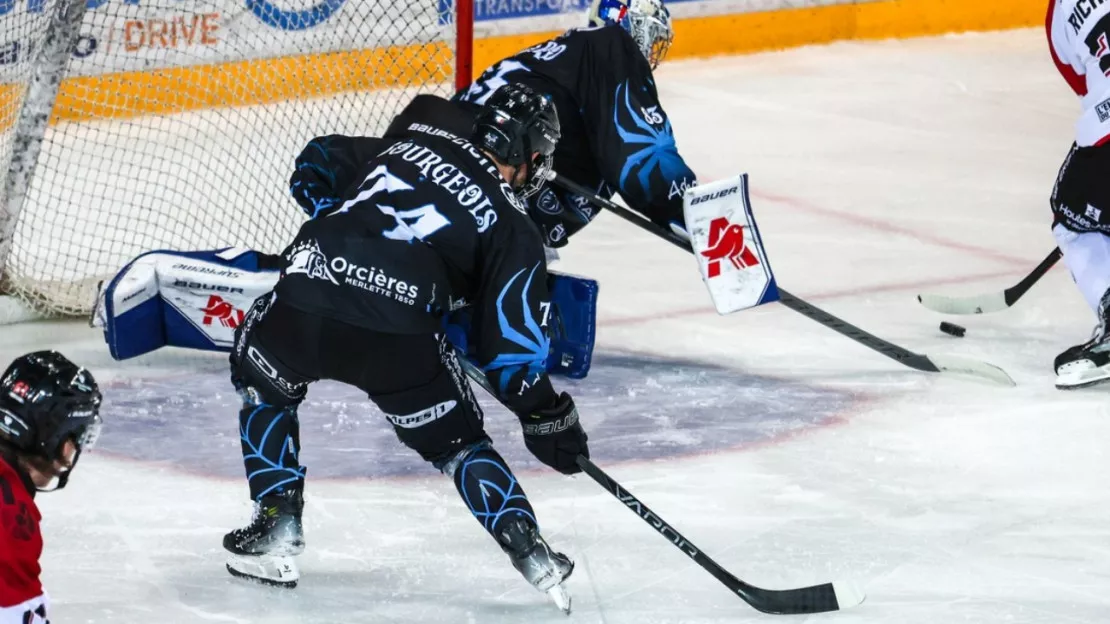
{"x":266,"y":569}
{"x":1072,"y":379}
{"x":560,"y":597}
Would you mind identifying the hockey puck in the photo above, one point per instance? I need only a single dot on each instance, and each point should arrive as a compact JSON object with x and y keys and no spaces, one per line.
{"x":952,"y":329}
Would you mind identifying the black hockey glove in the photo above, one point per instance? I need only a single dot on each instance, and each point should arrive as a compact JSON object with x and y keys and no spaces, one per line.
{"x":555,"y":436}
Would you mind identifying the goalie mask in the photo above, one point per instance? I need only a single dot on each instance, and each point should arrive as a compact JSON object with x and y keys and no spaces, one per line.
{"x":648,"y":21}
{"x":45,"y":399}
{"x":520,"y":127}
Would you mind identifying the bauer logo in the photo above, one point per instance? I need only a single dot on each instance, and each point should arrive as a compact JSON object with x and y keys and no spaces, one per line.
{"x":423,"y":417}
{"x":209,"y":287}
{"x":712,"y":196}
{"x":1103,"y":111}
{"x":726,"y":242}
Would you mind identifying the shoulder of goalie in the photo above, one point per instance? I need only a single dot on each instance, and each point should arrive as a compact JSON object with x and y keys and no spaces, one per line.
{"x":191,"y":299}
{"x":572,"y":324}
{"x":727,"y":245}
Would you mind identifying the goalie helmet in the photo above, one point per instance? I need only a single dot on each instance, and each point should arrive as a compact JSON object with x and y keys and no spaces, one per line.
{"x":648,"y":21}
{"x":520,"y":127}
{"x":45,"y":399}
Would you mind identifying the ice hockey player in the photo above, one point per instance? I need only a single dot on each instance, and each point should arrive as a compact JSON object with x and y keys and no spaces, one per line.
{"x":49,"y":415}
{"x":435,"y":219}
{"x":1079,"y":39}
{"x":616,"y":136}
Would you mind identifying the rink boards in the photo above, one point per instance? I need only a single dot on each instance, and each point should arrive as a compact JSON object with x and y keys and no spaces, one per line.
{"x":147,"y":68}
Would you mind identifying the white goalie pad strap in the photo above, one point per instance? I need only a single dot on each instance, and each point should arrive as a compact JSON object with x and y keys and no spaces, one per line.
{"x":727,"y":245}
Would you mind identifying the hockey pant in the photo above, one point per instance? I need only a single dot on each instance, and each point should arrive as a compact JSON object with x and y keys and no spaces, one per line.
{"x":415,"y":380}
{"x":1081,"y":203}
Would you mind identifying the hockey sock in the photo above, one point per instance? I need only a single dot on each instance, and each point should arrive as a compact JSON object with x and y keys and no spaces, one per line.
{"x":490,"y":490}
{"x":271,"y":444}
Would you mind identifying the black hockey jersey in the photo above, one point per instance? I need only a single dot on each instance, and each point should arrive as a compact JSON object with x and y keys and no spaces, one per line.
{"x":410,"y":226}
{"x":615,"y":135}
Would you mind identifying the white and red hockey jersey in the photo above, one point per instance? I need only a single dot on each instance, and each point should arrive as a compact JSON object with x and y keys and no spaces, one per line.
{"x":1079,"y":37}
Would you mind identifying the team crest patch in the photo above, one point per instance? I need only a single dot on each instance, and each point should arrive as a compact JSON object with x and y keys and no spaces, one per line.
{"x":1103,"y":111}
{"x":306,"y":258}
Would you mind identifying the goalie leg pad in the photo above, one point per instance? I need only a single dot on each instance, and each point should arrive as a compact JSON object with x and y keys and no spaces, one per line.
{"x":727,"y":245}
{"x":183,"y":299}
{"x":572,"y":322}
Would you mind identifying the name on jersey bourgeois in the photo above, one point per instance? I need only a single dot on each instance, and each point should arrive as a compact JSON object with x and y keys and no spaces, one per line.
{"x":449,"y":177}
{"x":1083,"y":9}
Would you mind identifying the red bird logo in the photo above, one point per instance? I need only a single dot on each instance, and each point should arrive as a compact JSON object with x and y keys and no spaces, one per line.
{"x":221,"y":311}
{"x":726,"y":241}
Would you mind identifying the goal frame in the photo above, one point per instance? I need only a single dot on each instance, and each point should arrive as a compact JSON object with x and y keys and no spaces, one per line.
{"x":48,"y":70}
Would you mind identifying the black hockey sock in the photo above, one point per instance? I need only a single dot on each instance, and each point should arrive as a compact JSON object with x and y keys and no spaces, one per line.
{"x":271,"y":444}
{"x":490,"y":490}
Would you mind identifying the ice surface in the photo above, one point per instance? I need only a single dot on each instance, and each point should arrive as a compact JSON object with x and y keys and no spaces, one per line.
{"x":789,"y":454}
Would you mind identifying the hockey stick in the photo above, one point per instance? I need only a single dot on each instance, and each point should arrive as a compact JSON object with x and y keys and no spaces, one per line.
{"x":815,"y":599}
{"x":918,"y":361}
{"x":990,"y":302}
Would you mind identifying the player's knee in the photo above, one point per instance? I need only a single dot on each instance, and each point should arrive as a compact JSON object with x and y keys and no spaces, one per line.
{"x":450,"y":465}
{"x":437,"y":420}
{"x":260,"y":378}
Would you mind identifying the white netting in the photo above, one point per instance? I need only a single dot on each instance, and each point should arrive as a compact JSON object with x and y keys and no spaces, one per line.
{"x":178,"y":121}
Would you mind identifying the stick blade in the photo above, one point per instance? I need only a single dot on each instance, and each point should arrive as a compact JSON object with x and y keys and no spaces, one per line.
{"x":848,"y":594}
{"x":955,"y":365}
{"x":816,"y":599}
{"x":976,"y":304}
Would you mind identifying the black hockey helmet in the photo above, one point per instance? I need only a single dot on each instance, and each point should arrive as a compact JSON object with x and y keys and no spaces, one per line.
{"x":46,"y":399}
{"x":516,"y":123}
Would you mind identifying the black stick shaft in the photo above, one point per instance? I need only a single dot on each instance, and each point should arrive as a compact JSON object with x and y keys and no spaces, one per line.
{"x":1011,"y":295}
{"x":815,"y":599}
{"x":898,"y":354}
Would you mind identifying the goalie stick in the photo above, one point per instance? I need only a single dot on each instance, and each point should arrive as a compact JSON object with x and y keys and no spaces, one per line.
{"x":926,"y":363}
{"x":815,"y":599}
{"x":990,"y":302}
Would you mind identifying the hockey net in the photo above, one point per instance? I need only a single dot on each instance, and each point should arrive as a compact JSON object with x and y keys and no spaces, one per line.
{"x":132,"y":125}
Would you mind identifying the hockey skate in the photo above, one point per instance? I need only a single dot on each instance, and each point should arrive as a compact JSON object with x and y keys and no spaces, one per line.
{"x":263,"y":551}
{"x":544,"y":568}
{"x":1084,"y":365}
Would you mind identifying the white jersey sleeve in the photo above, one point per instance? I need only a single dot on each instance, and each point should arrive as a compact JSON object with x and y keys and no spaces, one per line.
{"x":1079,"y":37}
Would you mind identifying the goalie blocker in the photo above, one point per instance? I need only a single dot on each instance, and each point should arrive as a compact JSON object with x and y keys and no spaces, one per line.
{"x":727,"y":245}
{"x":196,"y":299}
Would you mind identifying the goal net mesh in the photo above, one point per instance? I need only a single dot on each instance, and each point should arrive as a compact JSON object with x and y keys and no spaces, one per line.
{"x":176,"y":123}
